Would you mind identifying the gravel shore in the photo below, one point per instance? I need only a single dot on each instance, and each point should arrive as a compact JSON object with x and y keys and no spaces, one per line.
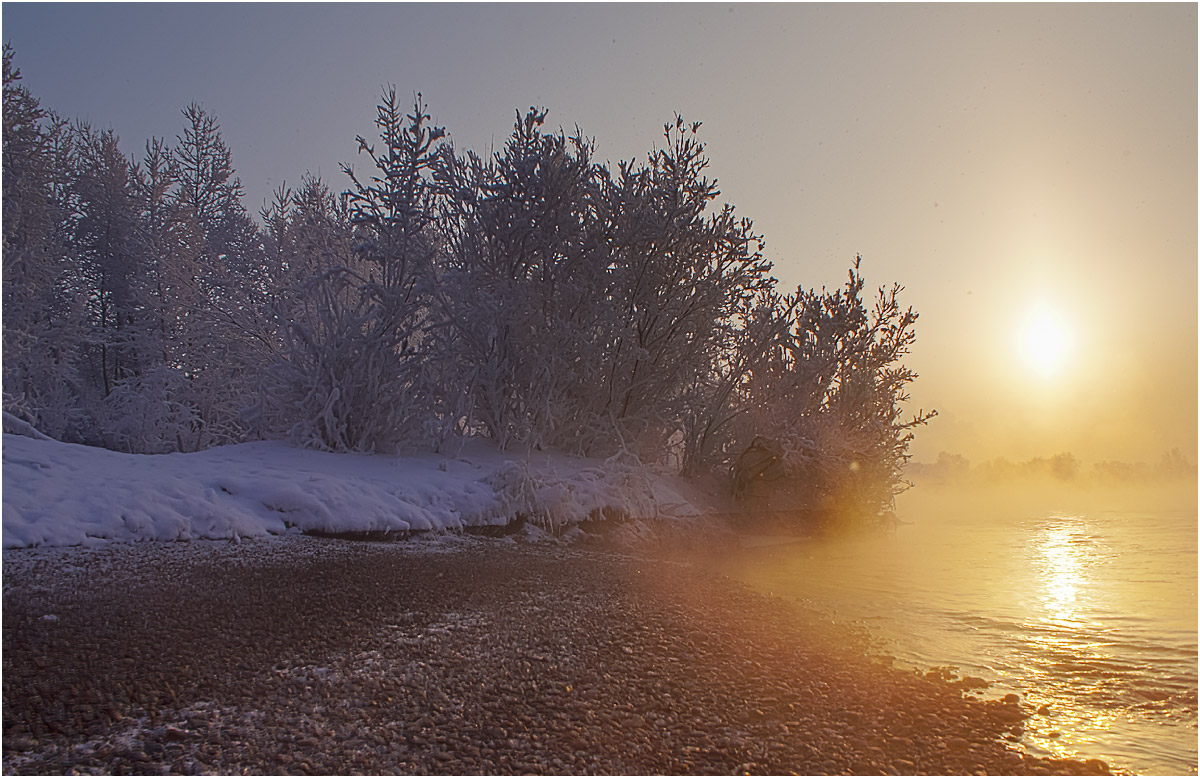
{"x":459,"y":656}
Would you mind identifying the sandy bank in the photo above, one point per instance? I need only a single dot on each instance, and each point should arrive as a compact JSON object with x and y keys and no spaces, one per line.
{"x":451,"y":657}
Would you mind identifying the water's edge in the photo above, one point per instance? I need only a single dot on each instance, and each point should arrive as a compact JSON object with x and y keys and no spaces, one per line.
{"x":1090,"y":619}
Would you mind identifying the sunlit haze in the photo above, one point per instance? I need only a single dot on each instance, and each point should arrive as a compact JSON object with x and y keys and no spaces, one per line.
{"x":1028,"y":172}
{"x":1046,"y":342}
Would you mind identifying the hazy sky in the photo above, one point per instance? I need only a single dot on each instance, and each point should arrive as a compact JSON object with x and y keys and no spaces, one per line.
{"x":998,"y":160}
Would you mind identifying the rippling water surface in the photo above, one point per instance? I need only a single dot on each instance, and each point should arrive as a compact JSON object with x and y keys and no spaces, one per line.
{"x":1083,"y":602}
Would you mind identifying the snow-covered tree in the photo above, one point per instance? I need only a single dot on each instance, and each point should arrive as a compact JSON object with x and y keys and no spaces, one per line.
{"x":170,"y":243}
{"x":680,"y":275}
{"x":715,"y":400}
{"x":525,"y":286}
{"x":105,"y":249}
{"x":301,"y":392}
{"x":43,"y":314}
{"x":225,"y":332}
{"x":154,"y":410}
{"x":831,"y":399}
{"x":30,"y":219}
{"x":533,"y":296}
{"x":392,"y":211}
{"x":207,"y":186}
{"x":357,"y":332}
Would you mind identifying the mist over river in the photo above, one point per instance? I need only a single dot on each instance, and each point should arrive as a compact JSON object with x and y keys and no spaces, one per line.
{"x":1080,"y":600}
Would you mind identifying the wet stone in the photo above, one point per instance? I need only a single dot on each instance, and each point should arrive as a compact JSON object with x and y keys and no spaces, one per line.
{"x":329,"y":657}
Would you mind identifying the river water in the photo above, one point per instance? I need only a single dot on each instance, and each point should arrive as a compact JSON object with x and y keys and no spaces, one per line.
{"x":1083,"y":601}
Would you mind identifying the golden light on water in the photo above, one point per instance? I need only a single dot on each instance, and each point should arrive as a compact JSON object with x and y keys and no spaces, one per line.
{"x":1062,"y":575}
{"x":1062,"y":567}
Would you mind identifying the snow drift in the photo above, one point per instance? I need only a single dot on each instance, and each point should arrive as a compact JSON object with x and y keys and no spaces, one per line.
{"x":60,"y":494}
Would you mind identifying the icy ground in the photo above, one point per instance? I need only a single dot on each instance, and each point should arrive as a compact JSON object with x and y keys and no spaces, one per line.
{"x":59,"y":494}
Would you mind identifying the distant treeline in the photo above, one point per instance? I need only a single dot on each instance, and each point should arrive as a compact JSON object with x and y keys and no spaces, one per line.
{"x":536,"y":298}
{"x":1063,"y":468}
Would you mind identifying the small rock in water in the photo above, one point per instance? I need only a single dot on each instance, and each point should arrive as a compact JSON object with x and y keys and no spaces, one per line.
{"x":973,"y":682}
{"x":1044,"y":710}
{"x":1012,"y":699}
{"x":1097,"y":765}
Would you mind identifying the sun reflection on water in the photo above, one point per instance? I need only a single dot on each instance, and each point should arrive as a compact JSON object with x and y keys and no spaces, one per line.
{"x":1089,"y":617}
{"x":1062,"y":572}
{"x":1061,"y":554}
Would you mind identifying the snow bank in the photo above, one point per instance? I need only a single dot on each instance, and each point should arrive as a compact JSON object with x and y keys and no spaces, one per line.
{"x":60,"y":494}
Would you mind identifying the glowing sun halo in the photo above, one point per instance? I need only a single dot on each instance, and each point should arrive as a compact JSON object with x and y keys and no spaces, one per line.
{"x":1046,"y":341}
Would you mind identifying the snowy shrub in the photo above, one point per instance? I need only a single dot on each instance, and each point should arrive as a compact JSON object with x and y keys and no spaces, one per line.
{"x":518,"y":489}
{"x":145,"y":415}
{"x":831,"y":396}
{"x":349,"y":375}
{"x":554,"y":501}
{"x":524,"y":286}
{"x":338,"y":386}
{"x":715,"y":400}
{"x":680,"y":277}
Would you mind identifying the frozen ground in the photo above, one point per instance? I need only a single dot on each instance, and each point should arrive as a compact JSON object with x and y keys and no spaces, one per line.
{"x":59,"y":494}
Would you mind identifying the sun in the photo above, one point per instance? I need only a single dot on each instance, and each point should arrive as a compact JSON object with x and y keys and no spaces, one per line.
{"x":1046,"y":341}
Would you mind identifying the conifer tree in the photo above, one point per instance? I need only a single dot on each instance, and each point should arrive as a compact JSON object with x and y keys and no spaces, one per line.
{"x":43,"y":319}
{"x":351,"y":375}
{"x":225,"y":331}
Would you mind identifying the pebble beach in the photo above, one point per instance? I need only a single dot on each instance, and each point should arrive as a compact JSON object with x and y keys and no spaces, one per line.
{"x":455,"y":656}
